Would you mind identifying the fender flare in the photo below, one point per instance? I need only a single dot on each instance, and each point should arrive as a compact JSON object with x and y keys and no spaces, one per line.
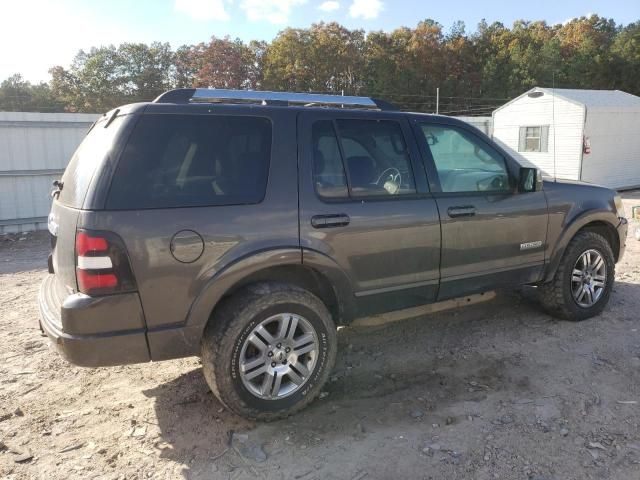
{"x":341,"y":283}
{"x":220,"y":283}
{"x":570,"y":230}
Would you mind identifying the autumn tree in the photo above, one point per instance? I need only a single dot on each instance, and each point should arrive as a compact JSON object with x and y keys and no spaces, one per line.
{"x":474,"y":72}
{"x":223,"y":63}
{"x":586,"y":43}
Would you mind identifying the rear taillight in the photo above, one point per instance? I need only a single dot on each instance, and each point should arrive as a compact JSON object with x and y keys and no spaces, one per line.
{"x":102,"y":264}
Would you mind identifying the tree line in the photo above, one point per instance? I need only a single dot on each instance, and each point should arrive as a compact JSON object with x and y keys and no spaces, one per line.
{"x":475,"y":72}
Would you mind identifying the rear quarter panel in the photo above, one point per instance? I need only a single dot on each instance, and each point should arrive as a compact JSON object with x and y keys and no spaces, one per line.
{"x":168,"y":288}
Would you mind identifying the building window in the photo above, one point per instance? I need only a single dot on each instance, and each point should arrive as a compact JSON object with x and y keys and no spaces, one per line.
{"x":534,"y":139}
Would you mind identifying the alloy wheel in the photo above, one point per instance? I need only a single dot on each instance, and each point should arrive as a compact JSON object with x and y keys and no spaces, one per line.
{"x":278,"y":356}
{"x":589,"y":278}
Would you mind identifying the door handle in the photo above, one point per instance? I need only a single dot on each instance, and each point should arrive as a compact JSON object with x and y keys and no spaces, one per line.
{"x":466,"y":211}
{"x":330,"y":221}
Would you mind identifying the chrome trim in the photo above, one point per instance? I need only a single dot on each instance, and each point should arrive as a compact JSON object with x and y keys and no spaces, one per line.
{"x":52,"y":225}
{"x":395,"y":288}
{"x":94,"y":263}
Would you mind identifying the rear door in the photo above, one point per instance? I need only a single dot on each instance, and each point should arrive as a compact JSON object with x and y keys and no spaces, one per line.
{"x":491,"y":234}
{"x":364,"y":203}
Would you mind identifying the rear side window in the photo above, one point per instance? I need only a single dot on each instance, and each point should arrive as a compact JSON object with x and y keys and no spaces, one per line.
{"x":92,"y":151}
{"x":192,"y":160}
{"x":372,"y":153}
{"x":329,"y":175}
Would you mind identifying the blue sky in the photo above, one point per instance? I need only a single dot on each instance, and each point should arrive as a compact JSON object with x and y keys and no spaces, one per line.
{"x":37,"y":34}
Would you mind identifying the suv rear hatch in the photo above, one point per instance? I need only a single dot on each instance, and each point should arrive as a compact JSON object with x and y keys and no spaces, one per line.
{"x":69,"y":198}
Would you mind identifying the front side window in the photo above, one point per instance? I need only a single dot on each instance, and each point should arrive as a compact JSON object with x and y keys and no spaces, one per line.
{"x":360,"y":158}
{"x":192,"y":160}
{"x":534,"y":139}
{"x":463,"y":162}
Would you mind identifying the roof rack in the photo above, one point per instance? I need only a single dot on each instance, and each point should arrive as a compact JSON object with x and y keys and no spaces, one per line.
{"x":216,"y":95}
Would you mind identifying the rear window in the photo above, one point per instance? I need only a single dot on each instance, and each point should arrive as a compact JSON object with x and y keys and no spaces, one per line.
{"x":92,"y":151}
{"x":192,"y":160}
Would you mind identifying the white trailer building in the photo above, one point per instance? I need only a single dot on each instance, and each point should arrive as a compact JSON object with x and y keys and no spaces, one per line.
{"x":588,"y":135}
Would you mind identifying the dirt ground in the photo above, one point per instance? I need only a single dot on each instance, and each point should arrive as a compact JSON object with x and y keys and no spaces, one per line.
{"x":496,"y":390}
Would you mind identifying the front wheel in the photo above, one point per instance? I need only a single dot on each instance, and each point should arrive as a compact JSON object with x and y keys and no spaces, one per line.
{"x":268,"y":351}
{"x":582,"y":284}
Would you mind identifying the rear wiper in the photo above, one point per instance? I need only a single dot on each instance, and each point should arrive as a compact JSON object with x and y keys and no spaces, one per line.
{"x":112,"y":117}
{"x":59,"y":185}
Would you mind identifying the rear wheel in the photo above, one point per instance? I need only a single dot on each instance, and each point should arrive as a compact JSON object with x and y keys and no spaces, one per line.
{"x":583,"y":281}
{"x":268,"y":350}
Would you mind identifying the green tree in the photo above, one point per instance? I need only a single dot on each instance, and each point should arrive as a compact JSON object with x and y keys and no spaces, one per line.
{"x":625,"y":61}
{"x":106,"y":77}
{"x":586,"y":44}
{"x":18,"y":95}
{"x":287,"y":62}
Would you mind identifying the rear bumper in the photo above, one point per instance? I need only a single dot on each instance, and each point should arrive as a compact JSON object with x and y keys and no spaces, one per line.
{"x":622,"y":228}
{"x":94,"y":331}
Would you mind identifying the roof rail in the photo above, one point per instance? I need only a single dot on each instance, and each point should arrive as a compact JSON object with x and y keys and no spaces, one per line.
{"x":216,"y":95}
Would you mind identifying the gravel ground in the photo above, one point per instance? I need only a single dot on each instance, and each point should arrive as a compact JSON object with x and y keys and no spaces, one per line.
{"x":495,"y":390}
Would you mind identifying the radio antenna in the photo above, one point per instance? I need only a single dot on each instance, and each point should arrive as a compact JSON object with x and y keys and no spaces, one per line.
{"x":553,"y":121}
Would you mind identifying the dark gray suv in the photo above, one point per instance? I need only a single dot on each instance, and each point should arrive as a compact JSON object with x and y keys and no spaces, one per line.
{"x":244,"y":227}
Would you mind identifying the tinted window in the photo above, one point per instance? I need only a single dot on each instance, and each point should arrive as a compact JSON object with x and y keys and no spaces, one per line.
{"x":373,"y":153}
{"x":464,"y":163}
{"x":329,"y":174}
{"x":193,"y":160}
{"x":91,"y":152}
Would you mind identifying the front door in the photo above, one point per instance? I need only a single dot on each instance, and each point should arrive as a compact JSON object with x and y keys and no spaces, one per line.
{"x":365,"y":204}
{"x":491,"y":235}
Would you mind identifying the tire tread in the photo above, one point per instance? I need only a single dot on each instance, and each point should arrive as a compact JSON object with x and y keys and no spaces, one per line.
{"x":553,"y":296}
{"x":223,"y":326}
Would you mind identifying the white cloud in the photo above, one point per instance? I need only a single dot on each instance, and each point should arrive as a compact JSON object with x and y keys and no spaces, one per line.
{"x":273,"y":11}
{"x":203,"y":9}
{"x":571,"y":19}
{"x":329,"y":6}
{"x":367,"y":9}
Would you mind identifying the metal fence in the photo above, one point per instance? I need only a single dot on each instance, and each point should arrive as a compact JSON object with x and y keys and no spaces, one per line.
{"x":34,"y":150}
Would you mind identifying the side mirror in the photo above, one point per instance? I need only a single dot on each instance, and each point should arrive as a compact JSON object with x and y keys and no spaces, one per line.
{"x":530,"y":180}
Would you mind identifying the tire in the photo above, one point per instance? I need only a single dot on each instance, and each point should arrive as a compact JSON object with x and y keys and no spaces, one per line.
{"x":233,"y":340}
{"x":557,"y":296}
